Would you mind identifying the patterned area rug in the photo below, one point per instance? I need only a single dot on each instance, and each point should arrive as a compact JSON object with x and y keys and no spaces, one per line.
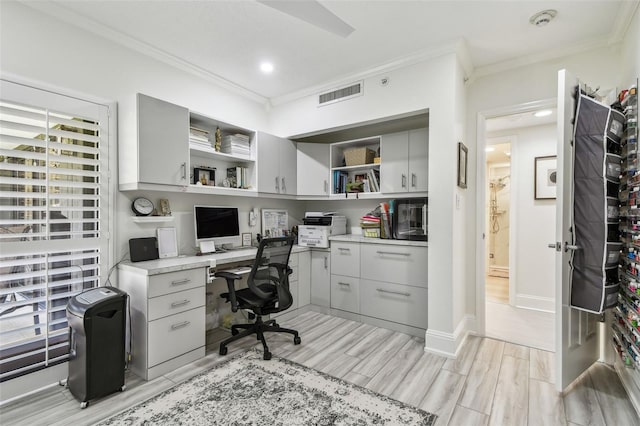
{"x":246,"y":390}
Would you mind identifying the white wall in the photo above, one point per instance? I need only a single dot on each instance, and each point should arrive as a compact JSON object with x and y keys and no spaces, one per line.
{"x":534,"y":224}
{"x":522,"y":85}
{"x":437,"y":85}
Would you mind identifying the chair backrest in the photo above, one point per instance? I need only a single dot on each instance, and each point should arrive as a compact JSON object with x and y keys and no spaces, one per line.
{"x":271,"y":267}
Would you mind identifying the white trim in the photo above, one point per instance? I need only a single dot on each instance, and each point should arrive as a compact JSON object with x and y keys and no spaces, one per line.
{"x":31,"y":383}
{"x":620,"y":27}
{"x":535,"y":303}
{"x":449,"y":344}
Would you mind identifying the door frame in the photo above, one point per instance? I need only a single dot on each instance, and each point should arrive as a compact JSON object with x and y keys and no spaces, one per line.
{"x":481,"y":216}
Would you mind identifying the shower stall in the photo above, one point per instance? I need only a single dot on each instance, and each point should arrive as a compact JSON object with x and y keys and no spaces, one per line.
{"x":498,"y":226}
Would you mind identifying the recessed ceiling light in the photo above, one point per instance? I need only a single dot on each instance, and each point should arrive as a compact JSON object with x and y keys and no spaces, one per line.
{"x":266,"y":67}
{"x":543,"y":18}
{"x":543,"y":113}
{"x":489,"y":149}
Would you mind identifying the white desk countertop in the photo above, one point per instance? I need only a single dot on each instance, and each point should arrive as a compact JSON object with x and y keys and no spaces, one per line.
{"x":180,"y":263}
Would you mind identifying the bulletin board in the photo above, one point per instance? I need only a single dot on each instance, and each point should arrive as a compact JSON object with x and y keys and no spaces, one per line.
{"x":275,"y":223}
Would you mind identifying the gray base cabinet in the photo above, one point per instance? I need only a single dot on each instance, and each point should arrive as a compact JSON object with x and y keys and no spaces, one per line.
{"x":167,"y":318}
{"x":385,"y":282}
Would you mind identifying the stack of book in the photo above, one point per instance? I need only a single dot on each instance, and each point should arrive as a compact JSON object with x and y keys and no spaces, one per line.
{"x":238,"y":145}
{"x":237,"y":177}
{"x":370,"y":225}
{"x":199,"y":137}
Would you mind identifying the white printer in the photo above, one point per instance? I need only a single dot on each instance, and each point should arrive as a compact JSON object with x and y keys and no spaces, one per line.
{"x":318,"y":227}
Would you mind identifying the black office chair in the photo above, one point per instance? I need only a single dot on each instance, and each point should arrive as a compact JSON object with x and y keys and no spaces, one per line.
{"x":267,"y":292}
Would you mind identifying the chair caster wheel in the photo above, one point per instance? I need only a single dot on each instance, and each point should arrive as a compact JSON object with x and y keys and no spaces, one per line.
{"x":223,"y":350}
{"x":267,"y":356}
{"x":123,"y":388}
{"x":84,"y":405}
{"x":296,"y":340}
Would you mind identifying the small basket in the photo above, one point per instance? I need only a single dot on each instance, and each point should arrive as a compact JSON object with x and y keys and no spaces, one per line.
{"x":371,"y":232}
{"x":358,"y":156}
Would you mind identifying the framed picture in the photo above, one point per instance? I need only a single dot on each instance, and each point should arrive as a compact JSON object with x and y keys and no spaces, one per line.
{"x":462,"y":165}
{"x":204,"y":176}
{"x":545,"y":177}
{"x":246,"y":239}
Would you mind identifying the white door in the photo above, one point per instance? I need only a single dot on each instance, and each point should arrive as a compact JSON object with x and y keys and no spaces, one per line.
{"x":288,"y":166}
{"x":419,"y":160}
{"x":313,"y":169}
{"x":576,"y":331}
{"x":268,"y":163}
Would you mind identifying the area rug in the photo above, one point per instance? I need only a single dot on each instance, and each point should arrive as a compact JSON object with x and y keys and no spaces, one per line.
{"x":246,"y":390}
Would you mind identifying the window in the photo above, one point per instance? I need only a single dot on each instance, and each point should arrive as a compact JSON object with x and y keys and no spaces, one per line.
{"x":54,"y":196}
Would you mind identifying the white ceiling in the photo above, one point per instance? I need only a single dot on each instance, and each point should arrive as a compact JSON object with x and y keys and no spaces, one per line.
{"x":228,"y":39}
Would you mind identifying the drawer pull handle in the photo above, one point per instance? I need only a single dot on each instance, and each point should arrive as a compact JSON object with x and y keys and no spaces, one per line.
{"x":401,"y":293}
{"x":347,"y":284}
{"x":180,"y":325}
{"x":393,"y":252}
{"x":179,"y":282}
{"x":180,"y":303}
{"x":344,"y":249}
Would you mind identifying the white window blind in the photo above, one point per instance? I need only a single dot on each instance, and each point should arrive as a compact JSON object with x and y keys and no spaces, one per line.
{"x":53,"y":219}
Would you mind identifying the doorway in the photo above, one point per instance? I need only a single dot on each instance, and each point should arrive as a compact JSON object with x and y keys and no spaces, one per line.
{"x":498,"y":209}
{"x":516,"y":293}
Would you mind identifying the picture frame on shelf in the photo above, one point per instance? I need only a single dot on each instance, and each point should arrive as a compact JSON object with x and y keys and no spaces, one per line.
{"x":462,"y":165}
{"x":204,"y":176}
{"x":545,"y":176}
{"x":246,"y":239}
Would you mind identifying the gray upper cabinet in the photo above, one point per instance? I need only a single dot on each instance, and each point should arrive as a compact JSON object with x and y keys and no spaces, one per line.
{"x":405,"y":161}
{"x":163,"y":142}
{"x":313,"y":169}
{"x":277,"y":165}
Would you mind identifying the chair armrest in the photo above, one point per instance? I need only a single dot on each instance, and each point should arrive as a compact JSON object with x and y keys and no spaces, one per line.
{"x":231,"y":279}
{"x":282,"y":267}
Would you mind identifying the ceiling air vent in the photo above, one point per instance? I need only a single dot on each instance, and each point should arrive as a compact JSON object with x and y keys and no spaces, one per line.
{"x":341,"y":94}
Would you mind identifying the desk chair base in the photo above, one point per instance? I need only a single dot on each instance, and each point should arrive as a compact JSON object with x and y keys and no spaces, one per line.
{"x":258,"y":328}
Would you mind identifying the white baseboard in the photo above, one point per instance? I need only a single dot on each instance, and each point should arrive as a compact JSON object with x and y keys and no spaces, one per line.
{"x":33,"y":382}
{"x":449,"y":344}
{"x":537,"y":303}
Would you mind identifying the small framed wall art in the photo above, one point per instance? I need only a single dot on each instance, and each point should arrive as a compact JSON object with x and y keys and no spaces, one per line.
{"x":204,"y":176}
{"x":462,"y":165}
{"x":545,"y":176}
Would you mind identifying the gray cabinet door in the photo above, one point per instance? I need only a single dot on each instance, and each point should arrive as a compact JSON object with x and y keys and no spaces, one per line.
{"x":163,"y":142}
{"x":313,"y":169}
{"x":320,"y":278}
{"x":419,"y":160}
{"x":394,"y":151}
{"x":277,"y":165}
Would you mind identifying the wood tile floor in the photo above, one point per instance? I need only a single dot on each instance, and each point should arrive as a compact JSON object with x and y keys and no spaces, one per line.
{"x":491,"y":382}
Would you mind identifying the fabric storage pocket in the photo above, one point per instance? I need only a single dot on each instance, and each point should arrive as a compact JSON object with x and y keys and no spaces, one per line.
{"x":613,"y":210}
{"x":612,"y":254}
{"x":610,"y":296}
{"x":615,"y":126}
{"x":613,"y":167}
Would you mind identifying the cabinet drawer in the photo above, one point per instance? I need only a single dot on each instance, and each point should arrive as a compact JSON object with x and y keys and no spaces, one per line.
{"x":175,"y":335}
{"x":344,"y":293}
{"x":172,"y":282}
{"x":175,"y":303}
{"x":395,"y":264}
{"x":345,"y":258}
{"x":394,"y":302}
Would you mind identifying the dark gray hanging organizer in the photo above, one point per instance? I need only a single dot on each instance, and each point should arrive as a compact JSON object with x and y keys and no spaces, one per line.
{"x":596,"y":178}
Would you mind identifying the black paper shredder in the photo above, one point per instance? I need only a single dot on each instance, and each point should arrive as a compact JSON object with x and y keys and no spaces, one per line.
{"x":96,"y":343}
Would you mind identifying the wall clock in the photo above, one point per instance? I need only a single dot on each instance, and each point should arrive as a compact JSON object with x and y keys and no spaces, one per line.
{"x":142,"y":206}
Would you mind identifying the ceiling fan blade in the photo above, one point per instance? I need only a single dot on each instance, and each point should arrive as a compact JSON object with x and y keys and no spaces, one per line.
{"x":312,"y":12}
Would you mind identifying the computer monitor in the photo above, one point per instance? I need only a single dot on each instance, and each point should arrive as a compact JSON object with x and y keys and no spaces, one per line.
{"x":218,"y":225}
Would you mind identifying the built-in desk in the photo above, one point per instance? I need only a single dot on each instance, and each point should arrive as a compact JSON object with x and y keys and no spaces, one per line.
{"x":168,"y":300}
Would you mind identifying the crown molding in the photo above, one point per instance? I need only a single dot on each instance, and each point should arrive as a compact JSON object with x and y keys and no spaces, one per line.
{"x":626,"y":11}
{"x":64,"y":14}
{"x":541,"y":57}
{"x":405,"y":61}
